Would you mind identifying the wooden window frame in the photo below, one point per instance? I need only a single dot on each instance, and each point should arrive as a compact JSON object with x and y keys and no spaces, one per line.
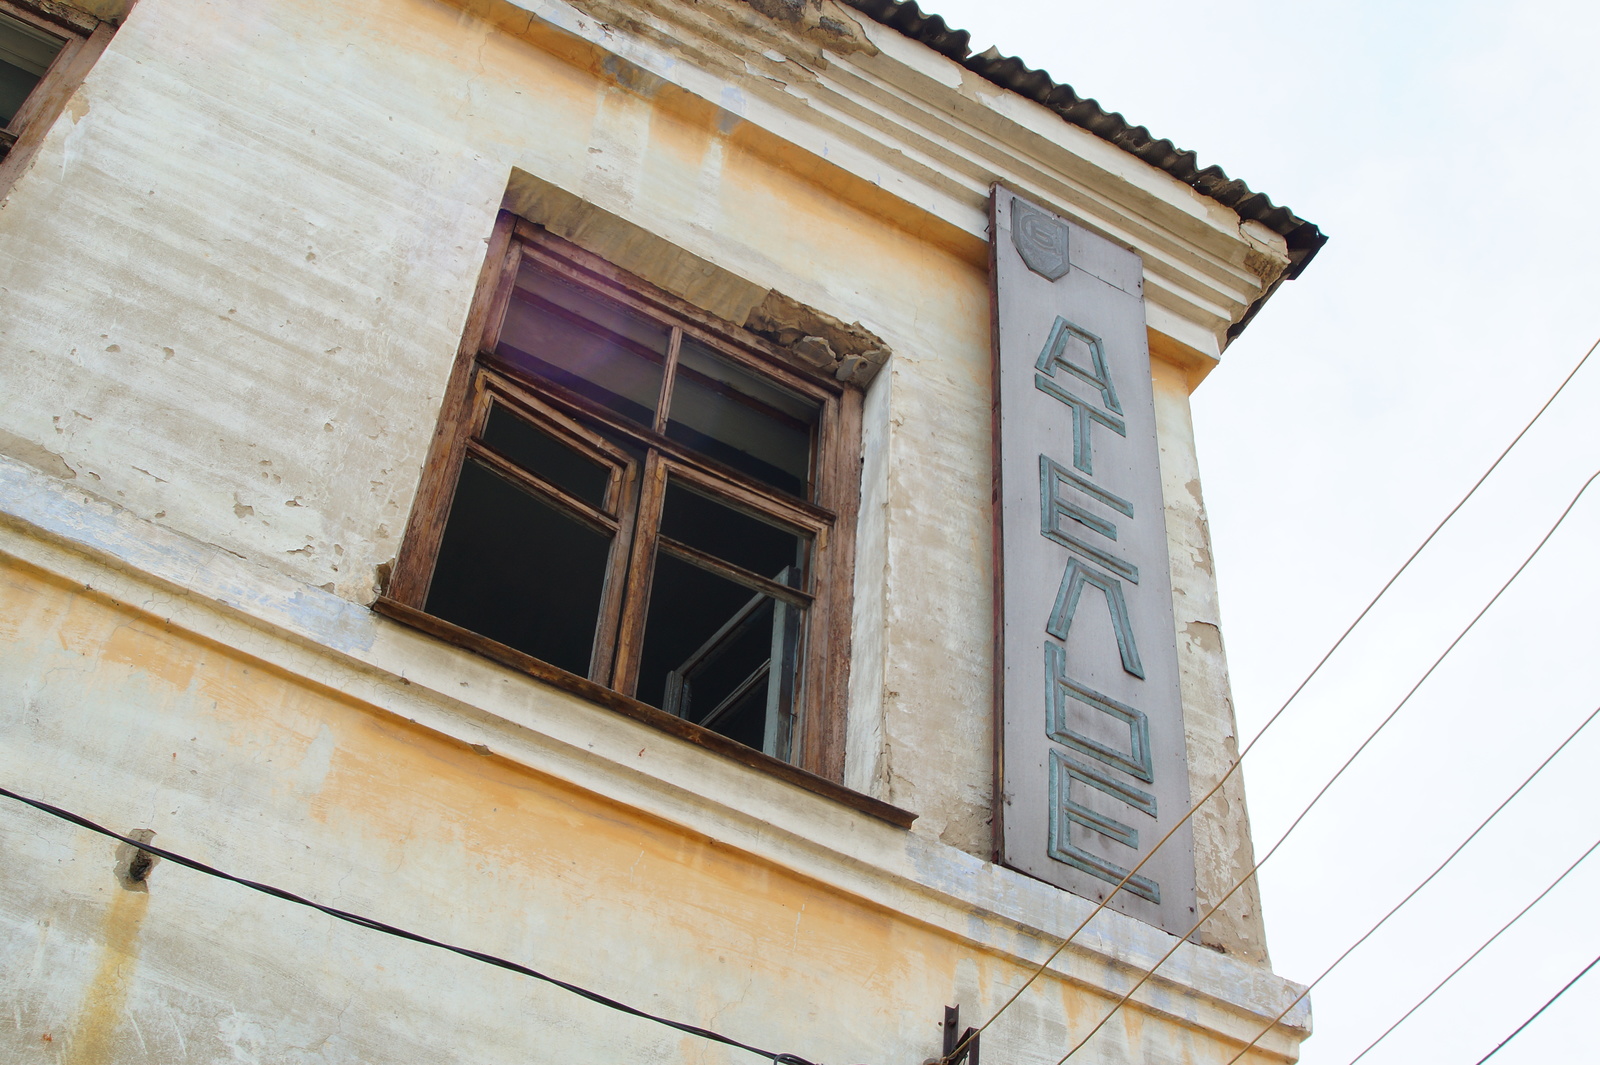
{"x":85,"y":38}
{"x":479,"y":379}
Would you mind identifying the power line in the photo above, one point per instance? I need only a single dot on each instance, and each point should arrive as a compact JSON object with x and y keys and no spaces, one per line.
{"x":1548,"y":1003}
{"x":791,"y":1059}
{"x":1338,"y":773}
{"x":401,"y":933}
{"x":1471,"y":957}
{"x":1425,"y":882}
{"x":1131,"y":873}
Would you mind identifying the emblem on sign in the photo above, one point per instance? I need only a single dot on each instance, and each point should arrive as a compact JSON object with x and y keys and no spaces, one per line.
{"x":1041,"y":239}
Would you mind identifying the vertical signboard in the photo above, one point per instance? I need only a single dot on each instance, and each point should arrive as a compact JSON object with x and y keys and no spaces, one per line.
{"x":1092,"y":767}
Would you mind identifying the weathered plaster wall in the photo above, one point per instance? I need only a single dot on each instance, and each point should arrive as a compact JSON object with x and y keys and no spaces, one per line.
{"x":266,"y":291}
{"x":236,"y":275}
{"x":241,"y":765}
{"x":187,"y":719}
{"x":1223,"y":851}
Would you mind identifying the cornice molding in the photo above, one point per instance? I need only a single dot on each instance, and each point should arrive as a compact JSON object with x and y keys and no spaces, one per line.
{"x":936,"y":136}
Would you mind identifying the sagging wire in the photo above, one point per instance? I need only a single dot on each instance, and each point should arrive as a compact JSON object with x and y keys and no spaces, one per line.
{"x":1551,"y":1001}
{"x":1473,"y":956}
{"x":1295,"y":694}
{"x":401,"y":933}
{"x":1368,"y":934}
{"x":1338,"y":773}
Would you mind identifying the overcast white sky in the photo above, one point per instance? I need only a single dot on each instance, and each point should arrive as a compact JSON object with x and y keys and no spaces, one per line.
{"x":1450,"y":152}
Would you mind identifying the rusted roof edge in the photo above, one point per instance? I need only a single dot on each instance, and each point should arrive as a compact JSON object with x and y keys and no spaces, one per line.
{"x":1303,"y":238}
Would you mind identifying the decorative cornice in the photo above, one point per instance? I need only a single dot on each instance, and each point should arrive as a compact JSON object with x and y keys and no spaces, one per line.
{"x":905,"y":119}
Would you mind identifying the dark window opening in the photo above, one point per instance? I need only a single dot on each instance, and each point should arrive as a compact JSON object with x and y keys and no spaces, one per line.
{"x":542,"y":454}
{"x":699,"y":521}
{"x":721,"y":656}
{"x":521,"y":571}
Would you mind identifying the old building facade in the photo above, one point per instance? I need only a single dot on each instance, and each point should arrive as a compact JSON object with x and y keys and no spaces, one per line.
{"x":523,"y":471}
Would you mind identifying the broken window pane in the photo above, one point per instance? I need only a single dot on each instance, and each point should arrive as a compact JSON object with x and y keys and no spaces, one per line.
{"x":720,"y":655}
{"x":25,"y":55}
{"x":584,"y":343}
{"x":516,"y":569}
{"x":538,"y":452}
{"x":744,"y":421}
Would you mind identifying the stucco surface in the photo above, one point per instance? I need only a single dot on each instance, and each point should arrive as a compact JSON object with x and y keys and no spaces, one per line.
{"x":1224,"y":855}
{"x":273,"y":288}
{"x":236,"y":275}
{"x":230,"y":758}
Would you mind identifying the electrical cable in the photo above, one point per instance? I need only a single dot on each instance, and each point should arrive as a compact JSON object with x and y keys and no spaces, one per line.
{"x":1233,"y":767}
{"x":1341,"y":770}
{"x":791,"y":1059}
{"x":1548,"y":1003}
{"x":1471,"y":957}
{"x":388,"y":929}
{"x":1414,"y":891}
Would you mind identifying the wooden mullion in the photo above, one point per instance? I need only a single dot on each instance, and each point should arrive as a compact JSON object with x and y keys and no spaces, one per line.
{"x":764,"y":503}
{"x":669,"y":377}
{"x":641,"y":573}
{"x":533,"y":407}
{"x":602,"y":660}
{"x":738,"y":574}
{"x":563,"y":500}
{"x":824,"y":698}
{"x":683,"y":457}
{"x":425,"y":527}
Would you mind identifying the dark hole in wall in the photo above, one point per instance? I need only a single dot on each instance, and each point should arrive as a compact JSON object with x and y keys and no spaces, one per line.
{"x":133,"y":864}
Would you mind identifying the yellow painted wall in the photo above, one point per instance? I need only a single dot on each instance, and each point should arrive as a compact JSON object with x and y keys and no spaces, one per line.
{"x":271,"y":777}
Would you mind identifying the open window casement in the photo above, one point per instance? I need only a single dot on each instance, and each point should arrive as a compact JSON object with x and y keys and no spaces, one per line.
{"x":643,"y":497}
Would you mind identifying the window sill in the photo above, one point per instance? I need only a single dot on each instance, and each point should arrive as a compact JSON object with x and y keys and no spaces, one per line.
{"x":511,"y":658}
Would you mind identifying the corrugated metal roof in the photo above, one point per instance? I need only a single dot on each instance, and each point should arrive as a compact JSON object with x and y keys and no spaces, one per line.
{"x":1304,"y":238}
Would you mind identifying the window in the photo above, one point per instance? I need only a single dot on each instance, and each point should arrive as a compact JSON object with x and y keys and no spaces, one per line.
{"x":45,"y":49}
{"x":627,"y":494}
